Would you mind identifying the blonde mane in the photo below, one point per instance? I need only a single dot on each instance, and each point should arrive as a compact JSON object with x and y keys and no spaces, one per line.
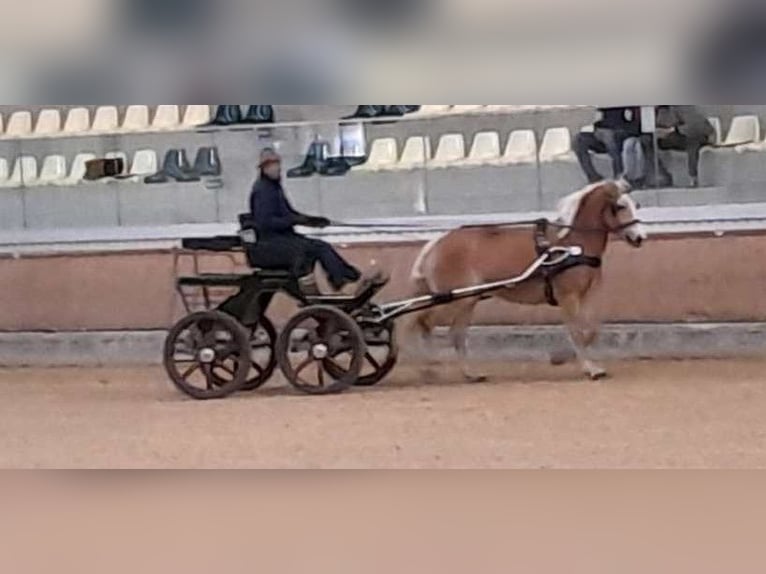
{"x":569,"y":206}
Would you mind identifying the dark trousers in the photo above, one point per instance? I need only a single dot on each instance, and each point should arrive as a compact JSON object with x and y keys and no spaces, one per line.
{"x":692,"y":147}
{"x":299,"y":254}
{"x":600,"y":141}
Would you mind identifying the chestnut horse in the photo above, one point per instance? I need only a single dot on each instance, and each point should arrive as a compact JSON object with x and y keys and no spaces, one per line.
{"x":477,"y":255}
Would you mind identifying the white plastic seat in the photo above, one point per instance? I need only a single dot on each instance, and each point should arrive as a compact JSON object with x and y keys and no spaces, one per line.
{"x":77,"y":121}
{"x":107,"y":119}
{"x":417,"y":150}
{"x":451,"y":149}
{"x":3,"y":171}
{"x":144,"y":162}
{"x":19,"y":124}
{"x":433,"y":110}
{"x":521,"y":147}
{"x":166,"y":117}
{"x":24,"y":172}
{"x":716,"y":123}
{"x":77,"y":173}
{"x":383,"y":155}
{"x":485,"y":148}
{"x":48,"y":122}
{"x":54,"y":170}
{"x":557,"y":143}
{"x":136,"y":118}
{"x":196,"y":115}
{"x":467,"y":109}
{"x":743,"y":130}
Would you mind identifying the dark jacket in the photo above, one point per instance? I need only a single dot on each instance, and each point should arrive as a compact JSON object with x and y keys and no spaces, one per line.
{"x":686,"y":120}
{"x":624,"y":119}
{"x":271,"y":211}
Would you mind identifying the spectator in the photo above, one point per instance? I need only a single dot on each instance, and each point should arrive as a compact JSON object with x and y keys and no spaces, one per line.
{"x":610,"y":132}
{"x":683,"y":128}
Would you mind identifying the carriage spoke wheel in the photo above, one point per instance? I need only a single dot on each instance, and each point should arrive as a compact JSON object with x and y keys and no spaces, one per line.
{"x":263,"y":361}
{"x":314,"y":338}
{"x":380,"y":356}
{"x":207,"y":355}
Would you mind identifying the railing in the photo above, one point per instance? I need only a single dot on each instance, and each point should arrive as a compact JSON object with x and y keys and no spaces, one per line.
{"x":489,"y":162}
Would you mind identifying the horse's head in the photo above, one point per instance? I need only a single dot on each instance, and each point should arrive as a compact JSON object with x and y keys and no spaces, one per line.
{"x":620,"y":213}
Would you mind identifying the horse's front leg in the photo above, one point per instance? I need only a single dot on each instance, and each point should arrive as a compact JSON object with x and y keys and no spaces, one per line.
{"x":459,"y":336}
{"x":582,"y":333}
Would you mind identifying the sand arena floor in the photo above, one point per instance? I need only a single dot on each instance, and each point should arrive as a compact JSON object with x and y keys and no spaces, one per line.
{"x":649,"y":414}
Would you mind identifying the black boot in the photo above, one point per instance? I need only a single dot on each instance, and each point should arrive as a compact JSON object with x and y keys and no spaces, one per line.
{"x":334,"y":166}
{"x":207,"y":163}
{"x":259,"y":115}
{"x":177,"y":166}
{"x":314,"y":162}
{"x":366,"y":112}
{"x":227,"y":115}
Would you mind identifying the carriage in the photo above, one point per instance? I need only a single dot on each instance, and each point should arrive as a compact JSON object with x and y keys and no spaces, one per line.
{"x":226,"y":343}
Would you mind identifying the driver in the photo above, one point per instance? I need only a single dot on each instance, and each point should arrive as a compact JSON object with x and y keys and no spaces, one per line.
{"x":274,"y":219}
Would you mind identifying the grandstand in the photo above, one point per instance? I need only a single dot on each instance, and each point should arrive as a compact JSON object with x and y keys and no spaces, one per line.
{"x":442,"y":160}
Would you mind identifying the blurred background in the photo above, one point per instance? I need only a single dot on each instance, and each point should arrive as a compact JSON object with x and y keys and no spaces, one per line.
{"x":297,"y":51}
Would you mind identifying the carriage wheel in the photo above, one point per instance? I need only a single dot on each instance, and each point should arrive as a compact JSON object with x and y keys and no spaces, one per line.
{"x":380,"y":357}
{"x":315,"y":337}
{"x":207,"y":355}
{"x":263,"y":357}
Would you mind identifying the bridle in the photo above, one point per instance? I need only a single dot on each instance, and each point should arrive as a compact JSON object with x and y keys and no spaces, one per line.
{"x":605,"y":229}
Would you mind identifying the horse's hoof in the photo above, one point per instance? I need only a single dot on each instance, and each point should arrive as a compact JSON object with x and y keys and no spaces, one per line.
{"x":598,"y":375}
{"x":476,"y":378}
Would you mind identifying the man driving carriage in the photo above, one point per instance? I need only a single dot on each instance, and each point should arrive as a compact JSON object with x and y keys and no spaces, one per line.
{"x":279,"y":245}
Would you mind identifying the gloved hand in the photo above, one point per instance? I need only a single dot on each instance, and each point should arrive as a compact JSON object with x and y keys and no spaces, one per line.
{"x":320,"y":222}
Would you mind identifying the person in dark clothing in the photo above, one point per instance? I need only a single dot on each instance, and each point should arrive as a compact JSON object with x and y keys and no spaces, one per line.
{"x":684,"y":128}
{"x":274,"y":220}
{"x":610,"y":132}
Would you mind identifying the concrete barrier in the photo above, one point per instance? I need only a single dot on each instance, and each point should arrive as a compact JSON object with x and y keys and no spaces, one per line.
{"x":525,"y":343}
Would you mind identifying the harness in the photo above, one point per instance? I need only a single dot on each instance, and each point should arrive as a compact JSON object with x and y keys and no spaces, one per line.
{"x":550,"y":272}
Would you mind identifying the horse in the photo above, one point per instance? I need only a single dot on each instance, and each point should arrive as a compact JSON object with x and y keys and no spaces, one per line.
{"x":477,"y":255}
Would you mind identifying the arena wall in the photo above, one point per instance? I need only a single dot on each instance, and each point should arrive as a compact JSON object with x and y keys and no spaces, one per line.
{"x":675,"y":278}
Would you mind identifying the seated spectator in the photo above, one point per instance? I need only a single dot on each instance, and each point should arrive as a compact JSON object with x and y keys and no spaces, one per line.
{"x":610,"y":132}
{"x":681,"y":128}
{"x":684,"y":128}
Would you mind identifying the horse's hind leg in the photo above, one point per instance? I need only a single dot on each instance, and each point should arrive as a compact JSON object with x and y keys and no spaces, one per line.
{"x":459,"y":337}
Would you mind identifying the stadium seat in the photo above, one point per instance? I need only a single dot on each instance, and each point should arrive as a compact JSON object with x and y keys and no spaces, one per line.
{"x":467,"y":109}
{"x":485,"y":148}
{"x":716,"y":123}
{"x":54,"y":170}
{"x":106,"y":119}
{"x":207,"y":163}
{"x":77,"y":121}
{"x":24,"y":172}
{"x":451,"y":149}
{"x":136,"y":118}
{"x":144,"y":162}
{"x":77,"y":173}
{"x":417,"y":150}
{"x":2,"y":124}
{"x":166,"y":117}
{"x":196,"y":115}
{"x":743,"y":130}
{"x":433,"y":110}
{"x":19,"y":124}
{"x":48,"y":122}
{"x":557,"y":143}
{"x":521,"y":148}
{"x":383,"y":155}
{"x":3,"y":171}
